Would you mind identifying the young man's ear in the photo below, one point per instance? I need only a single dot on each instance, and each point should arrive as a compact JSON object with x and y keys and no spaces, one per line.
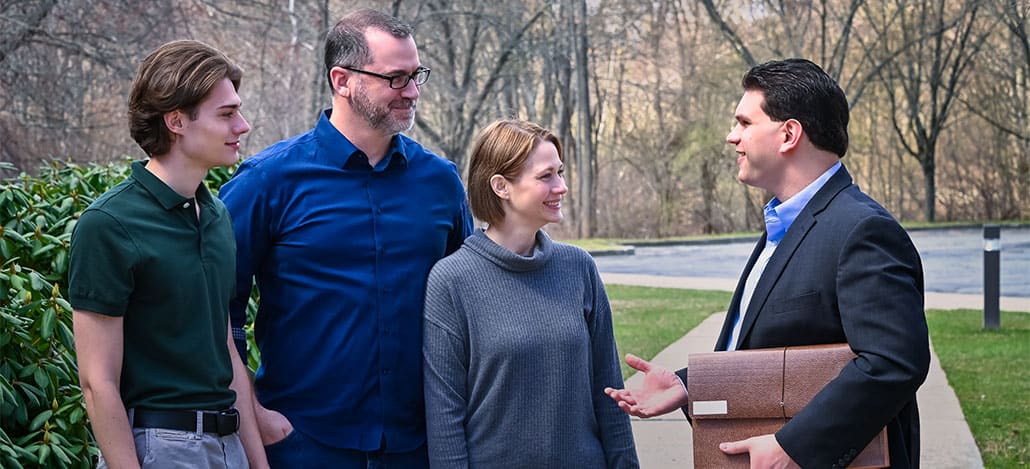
{"x":792,"y":132}
{"x":176,"y":121}
{"x":500,"y":186}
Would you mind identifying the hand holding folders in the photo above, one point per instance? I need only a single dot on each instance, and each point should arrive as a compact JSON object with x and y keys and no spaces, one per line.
{"x":737,"y":395}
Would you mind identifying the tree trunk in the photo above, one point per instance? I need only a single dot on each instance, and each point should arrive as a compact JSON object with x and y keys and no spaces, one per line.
{"x":585,"y":131}
{"x":926,"y":161}
{"x":318,"y":82}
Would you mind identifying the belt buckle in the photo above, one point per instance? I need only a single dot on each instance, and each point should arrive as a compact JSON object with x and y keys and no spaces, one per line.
{"x":227,"y":421}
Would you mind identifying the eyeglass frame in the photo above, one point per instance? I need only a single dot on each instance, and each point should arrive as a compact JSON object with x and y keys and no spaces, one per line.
{"x":390,"y":78}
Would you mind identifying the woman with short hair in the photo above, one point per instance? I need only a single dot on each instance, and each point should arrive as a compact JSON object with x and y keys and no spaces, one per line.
{"x":518,"y":343}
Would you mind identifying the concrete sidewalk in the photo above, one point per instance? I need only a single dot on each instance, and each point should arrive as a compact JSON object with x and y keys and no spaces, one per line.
{"x":945,"y":441}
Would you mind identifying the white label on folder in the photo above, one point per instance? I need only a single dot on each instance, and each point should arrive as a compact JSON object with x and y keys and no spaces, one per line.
{"x":710,"y":408}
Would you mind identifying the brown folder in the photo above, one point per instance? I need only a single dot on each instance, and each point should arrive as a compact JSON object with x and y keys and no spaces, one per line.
{"x":736,"y":395}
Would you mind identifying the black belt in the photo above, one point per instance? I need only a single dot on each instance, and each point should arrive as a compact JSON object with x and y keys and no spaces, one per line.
{"x":223,"y":422}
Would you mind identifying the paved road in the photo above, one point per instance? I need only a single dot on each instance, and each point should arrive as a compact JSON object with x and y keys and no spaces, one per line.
{"x":952,"y":260}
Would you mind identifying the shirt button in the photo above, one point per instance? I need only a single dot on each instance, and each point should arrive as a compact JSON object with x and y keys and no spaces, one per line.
{"x":386,"y":371}
{"x":186,"y":205}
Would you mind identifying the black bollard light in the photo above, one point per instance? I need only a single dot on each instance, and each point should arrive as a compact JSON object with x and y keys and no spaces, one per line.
{"x":992,"y":276}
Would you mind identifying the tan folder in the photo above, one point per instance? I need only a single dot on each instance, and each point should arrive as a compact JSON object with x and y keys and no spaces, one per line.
{"x":736,"y":395}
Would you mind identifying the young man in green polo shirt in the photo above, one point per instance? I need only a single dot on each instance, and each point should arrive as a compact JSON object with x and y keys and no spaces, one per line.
{"x":152,"y":270}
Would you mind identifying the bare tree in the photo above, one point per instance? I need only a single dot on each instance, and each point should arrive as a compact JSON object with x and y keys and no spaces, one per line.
{"x":64,"y":72}
{"x":585,"y":133}
{"x":470,"y":49}
{"x":923,"y":84}
{"x":999,"y":95}
{"x":1004,"y":99}
{"x":639,"y":92}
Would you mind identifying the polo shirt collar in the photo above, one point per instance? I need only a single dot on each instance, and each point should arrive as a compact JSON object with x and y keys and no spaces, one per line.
{"x":341,"y":153}
{"x":165,"y":196}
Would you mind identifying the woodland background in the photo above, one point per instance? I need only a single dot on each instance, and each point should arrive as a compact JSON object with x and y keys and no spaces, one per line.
{"x":640,"y":92}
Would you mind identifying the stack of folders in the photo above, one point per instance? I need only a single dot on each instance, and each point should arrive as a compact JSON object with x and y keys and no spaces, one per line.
{"x":737,"y":395}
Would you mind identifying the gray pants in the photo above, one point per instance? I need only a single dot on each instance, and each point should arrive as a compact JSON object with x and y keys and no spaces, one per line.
{"x":157,"y":448}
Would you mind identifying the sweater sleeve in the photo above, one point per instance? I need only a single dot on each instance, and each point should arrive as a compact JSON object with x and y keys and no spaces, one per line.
{"x":613,"y":423}
{"x":445,"y":371}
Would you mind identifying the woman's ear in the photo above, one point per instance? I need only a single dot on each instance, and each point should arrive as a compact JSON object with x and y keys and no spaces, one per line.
{"x":500,"y":186}
{"x":175,"y":121}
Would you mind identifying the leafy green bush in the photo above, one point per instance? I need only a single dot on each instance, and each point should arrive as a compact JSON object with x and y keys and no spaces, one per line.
{"x":43,"y":420}
{"x":41,"y":407}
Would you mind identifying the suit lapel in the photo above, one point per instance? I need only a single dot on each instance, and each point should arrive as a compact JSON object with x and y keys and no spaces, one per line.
{"x":785,"y":250}
{"x":731,"y":314}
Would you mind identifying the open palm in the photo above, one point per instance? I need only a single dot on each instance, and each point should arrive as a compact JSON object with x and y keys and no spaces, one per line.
{"x":661,"y":393}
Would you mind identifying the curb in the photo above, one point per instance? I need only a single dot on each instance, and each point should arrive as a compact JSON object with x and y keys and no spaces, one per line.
{"x":629,"y":248}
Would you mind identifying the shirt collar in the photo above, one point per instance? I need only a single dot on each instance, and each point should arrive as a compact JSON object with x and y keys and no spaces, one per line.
{"x":340,"y":152}
{"x":780,"y":215}
{"x":165,"y":195}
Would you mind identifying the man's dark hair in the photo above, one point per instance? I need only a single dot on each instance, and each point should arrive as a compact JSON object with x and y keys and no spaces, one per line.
{"x":799,"y":89}
{"x":346,"y":46}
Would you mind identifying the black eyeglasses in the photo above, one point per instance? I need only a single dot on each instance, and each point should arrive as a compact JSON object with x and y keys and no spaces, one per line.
{"x":398,"y":82}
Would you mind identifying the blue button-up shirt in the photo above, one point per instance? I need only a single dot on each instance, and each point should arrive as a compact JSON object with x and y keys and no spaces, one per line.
{"x":778,"y":218}
{"x":780,"y":215}
{"x":340,"y":252}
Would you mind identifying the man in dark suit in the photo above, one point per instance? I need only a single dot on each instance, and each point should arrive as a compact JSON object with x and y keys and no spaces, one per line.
{"x":833,"y":266}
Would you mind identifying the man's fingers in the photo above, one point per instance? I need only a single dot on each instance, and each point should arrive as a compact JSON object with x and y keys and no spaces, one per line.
{"x":736,"y":447}
{"x":633,"y":410}
{"x":638,"y":363}
{"x":621,"y":395}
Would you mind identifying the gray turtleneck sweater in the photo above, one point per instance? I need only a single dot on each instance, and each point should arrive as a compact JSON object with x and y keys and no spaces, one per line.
{"x":517,"y":353}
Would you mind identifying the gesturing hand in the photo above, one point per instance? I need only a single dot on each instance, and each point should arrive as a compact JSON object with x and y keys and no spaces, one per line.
{"x":661,"y":393}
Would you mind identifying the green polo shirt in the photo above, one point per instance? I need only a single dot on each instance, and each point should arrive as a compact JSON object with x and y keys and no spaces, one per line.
{"x":139,"y":252}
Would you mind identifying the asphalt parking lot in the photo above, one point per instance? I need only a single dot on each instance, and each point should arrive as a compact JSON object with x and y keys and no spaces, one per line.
{"x":952,"y":260}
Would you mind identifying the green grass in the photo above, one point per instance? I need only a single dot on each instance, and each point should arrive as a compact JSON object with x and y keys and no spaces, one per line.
{"x":647,"y":319}
{"x":990,"y":373}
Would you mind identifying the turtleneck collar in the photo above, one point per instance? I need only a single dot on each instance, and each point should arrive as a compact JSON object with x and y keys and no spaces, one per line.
{"x":480,"y":243}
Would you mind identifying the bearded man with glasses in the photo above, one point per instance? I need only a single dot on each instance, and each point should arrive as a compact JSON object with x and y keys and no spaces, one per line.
{"x":339,"y":227}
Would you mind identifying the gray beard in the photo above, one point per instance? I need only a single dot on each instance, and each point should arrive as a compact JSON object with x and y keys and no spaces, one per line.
{"x":378,"y":118}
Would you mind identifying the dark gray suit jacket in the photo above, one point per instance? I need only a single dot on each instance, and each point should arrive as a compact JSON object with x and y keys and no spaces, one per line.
{"x":845,"y":271}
